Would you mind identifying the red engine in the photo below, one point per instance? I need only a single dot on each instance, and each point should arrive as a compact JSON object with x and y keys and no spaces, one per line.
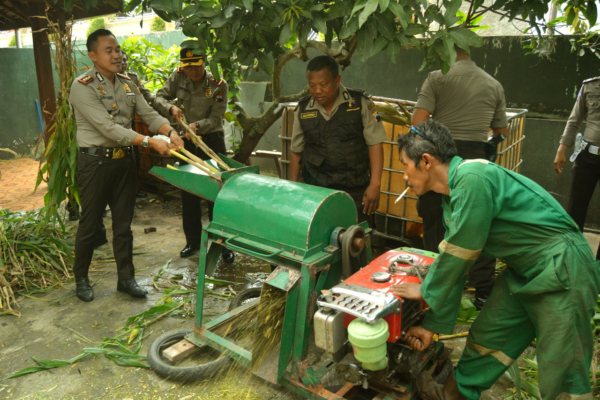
{"x":392,"y":268}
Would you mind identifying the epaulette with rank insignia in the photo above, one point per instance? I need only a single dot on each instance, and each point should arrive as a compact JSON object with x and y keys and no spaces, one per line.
{"x":86,"y":79}
{"x":123,"y":76}
{"x":591,"y":79}
{"x":212,"y":80}
{"x":361,"y":92}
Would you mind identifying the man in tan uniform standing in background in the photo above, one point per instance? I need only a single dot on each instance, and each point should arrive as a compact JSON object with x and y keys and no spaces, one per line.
{"x":469,"y":102}
{"x":203,"y":102}
{"x":105,"y":102}
{"x":337,"y":138}
{"x":585,"y":174}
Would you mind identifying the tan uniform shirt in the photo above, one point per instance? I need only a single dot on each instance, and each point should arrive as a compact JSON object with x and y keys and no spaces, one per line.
{"x":587,"y":106}
{"x":374,"y":133}
{"x":204,"y":103}
{"x":467,"y":100}
{"x":148,"y":95}
{"x":103,"y":112}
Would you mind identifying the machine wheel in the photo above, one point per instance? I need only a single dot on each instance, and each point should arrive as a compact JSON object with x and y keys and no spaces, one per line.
{"x":444,"y":371}
{"x":165,"y":369}
{"x":245,"y":296}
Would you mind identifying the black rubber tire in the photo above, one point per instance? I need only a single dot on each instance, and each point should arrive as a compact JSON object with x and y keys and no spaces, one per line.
{"x":445,"y":370}
{"x":180,"y":374}
{"x":244,"y":295}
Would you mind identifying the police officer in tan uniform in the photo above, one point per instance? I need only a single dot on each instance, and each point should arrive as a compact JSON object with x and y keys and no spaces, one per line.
{"x":337,"y":138}
{"x":148,"y":95}
{"x":469,"y":102}
{"x":104,"y":102}
{"x":585,"y":174}
{"x":203,"y":102}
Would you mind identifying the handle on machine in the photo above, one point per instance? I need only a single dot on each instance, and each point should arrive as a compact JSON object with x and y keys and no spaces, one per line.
{"x":245,"y":250}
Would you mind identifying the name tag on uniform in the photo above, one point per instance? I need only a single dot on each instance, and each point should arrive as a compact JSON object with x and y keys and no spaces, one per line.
{"x":306,"y":115}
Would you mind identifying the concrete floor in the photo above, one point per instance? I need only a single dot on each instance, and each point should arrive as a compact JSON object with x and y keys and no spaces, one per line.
{"x":48,"y":326}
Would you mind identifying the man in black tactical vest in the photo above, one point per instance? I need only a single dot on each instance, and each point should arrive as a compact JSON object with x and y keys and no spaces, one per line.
{"x":337,"y":138}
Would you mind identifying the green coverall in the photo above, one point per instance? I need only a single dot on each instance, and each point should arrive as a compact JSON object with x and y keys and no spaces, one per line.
{"x":548,"y":290}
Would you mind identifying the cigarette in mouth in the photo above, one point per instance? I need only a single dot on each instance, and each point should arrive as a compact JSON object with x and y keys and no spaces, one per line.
{"x":401,"y":196}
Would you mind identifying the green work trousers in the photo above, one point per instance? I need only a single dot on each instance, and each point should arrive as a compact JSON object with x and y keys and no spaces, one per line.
{"x":555,"y":308}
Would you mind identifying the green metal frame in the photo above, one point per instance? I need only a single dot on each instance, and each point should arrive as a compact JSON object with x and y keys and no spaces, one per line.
{"x":310,"y":268}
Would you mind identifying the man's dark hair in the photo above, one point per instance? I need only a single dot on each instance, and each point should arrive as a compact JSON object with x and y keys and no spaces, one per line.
{"x":429,"y":137}
{"x":322,"y":62}
{"x":92,"y":40}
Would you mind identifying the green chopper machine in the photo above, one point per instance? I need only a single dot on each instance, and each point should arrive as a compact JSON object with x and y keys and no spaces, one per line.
{"x":323,"y":260}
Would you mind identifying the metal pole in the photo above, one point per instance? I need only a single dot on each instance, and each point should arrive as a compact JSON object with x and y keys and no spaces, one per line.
{"x":18,"y":38}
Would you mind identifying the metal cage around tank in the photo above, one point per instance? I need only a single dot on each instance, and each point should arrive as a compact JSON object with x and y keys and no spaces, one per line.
{"x":400,"y":221}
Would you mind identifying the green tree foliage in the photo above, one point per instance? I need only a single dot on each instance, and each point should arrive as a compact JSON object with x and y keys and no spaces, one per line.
{"x":158,"y":25}
{"x":97,"y":23}
{"x":266,"y":34}
{"x":13,"y":41}
{"x":150,"y":61}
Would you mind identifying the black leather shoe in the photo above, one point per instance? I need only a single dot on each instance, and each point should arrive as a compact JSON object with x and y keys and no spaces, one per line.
{"x":83,"y":289}
{"x":189,"y":250}
{"x":140,"y":195}
{"x":228,"y":256}
{"x":131,"y":287}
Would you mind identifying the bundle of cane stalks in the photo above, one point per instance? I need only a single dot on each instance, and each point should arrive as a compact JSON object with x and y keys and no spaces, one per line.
{"x":196,"y":161}
{"x":35,"y":255}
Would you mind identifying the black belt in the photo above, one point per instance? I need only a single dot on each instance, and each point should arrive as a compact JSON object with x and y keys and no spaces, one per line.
{"x":108,"y":152}
{"x":470,"y":145}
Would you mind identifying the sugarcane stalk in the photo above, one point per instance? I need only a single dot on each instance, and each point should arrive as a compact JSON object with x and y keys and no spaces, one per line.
{"x":200,"y":143}
{"x":195,"y":164}
{"x":169,"y":166}
{"x":462,"y":334}
{"x":199,"y":161}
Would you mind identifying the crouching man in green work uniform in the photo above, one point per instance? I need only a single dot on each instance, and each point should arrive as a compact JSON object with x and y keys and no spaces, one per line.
{"x":547,"y":292}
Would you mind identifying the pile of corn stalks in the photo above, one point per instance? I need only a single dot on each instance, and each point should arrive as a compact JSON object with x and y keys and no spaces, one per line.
{"x":34,"y":255}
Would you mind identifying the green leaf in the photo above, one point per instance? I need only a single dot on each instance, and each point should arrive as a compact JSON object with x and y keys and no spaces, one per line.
{"x":469,"y":36}
{"x":303,"y":38}
{"x":398,"y":11}
{"x":360,"y":4}
{"x":206,"y":13}
{"x":591,"y":12}
{"x":369,"y":8}
{"x":218,"y":22}
{"x":163,"y":5}
{"x":248,"y":4}
{"x":131,"y":5}
{"x":319,"y":24}
{"x":364,"y":45}
{"x":383,"y":26}
{"x":379,"y":45}
{"x":460,"y":41}
{"x":415,"y":29}
{"x":190,"y":10}
{"x":286,"y":34}
{"x":349,"y":28}
{"x":265,"y":62}
{"x":393,"y":50}
{"x":214,"y":69}
{"x":452,"y":8}
{"x":383,"y":5}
